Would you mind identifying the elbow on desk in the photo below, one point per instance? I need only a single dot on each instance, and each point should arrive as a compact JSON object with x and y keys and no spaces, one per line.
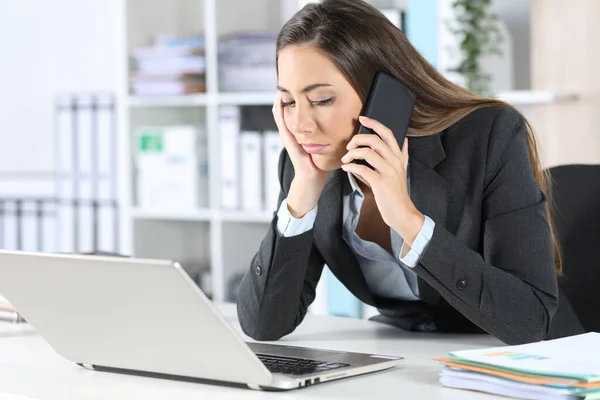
{"x":535,"y":330}
{"x":256,"y":327}
{"x":523,"y":337}
{"x":262,"y":335}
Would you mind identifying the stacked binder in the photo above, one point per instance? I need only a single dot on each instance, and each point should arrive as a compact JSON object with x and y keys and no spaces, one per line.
{"x":250,"y":151}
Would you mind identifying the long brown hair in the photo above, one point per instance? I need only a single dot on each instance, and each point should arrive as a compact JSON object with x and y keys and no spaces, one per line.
{"x":360,"y":40}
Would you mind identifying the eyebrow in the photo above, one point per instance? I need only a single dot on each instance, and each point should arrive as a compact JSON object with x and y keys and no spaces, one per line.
{"x":307,"y":88}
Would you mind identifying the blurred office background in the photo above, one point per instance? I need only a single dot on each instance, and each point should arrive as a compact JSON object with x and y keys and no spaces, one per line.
{"x":143,"y":127}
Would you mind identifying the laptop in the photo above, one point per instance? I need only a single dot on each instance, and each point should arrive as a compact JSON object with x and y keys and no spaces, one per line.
{"x":148,"y":317}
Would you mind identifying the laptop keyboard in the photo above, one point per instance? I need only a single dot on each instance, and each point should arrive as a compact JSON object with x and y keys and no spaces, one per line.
{"x":297,"y":366}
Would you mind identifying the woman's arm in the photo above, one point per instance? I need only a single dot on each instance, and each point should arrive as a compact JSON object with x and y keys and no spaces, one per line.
{"x":280,"y":285}
{"x":511,"y":289}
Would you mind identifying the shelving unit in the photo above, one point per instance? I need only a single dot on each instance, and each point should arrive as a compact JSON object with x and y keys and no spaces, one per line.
{"x":204,"y":238}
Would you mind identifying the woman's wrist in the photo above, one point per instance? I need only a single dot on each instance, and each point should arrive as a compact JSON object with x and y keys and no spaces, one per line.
{"x":303,"y":197}
{"x":410,"y":225}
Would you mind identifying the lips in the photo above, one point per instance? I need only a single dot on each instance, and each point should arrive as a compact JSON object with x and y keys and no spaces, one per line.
{"x":314,"y":148}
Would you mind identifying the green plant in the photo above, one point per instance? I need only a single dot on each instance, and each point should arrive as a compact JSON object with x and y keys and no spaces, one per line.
{"x":478,"y":33}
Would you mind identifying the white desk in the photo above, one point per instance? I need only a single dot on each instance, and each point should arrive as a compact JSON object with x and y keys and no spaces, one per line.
{"x":30,"y":367}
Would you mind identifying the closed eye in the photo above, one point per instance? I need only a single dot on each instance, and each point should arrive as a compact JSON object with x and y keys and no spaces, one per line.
{"x":323,"y":102}
{"x":315,"y":103}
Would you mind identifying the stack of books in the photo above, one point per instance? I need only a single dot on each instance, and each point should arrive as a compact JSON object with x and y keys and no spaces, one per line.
{"x":172,"y":66}
{"x":567,"y":368}
{"x":8,"y":313}
{"x":247,"y":62}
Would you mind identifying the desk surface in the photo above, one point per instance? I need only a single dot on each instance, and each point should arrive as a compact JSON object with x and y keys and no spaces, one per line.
{"x":30,"y":367}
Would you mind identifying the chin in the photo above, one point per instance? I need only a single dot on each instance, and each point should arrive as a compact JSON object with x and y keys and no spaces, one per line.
{"x":326,"y":163}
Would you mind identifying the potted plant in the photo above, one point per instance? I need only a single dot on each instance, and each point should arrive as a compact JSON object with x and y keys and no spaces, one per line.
{"x":478,"y":34}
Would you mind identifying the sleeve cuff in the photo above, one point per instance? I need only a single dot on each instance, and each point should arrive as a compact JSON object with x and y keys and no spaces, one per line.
{"x":411,"y":255}
{"x":289,"y":226}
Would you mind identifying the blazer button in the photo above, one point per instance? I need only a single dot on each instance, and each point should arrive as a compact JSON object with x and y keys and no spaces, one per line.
{"x":461,"y":284}
{"x":258,"y":270}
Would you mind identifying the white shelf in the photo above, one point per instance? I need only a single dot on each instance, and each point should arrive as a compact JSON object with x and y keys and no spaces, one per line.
{"x":246,"y":216}
{"x":265,"y":98}
{"x":190,"y":100}
{"x":203,"y":215}
{"x":195,"y":100}
{"x":197,"y":215}
{"x":533,"y":97}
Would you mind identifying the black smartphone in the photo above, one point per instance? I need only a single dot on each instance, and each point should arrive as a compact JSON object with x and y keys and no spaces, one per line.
{"x":391,"y":103}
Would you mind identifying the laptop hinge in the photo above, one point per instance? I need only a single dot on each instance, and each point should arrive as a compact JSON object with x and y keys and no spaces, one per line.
{"x":86,"y":366}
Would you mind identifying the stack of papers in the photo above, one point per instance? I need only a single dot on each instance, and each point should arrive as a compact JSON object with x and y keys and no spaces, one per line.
{"x":247,"y":62}
{"x":172,"y":66}
{"x":567,"y":368}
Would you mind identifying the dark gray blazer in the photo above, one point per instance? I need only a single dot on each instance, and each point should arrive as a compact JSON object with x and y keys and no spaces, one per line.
{"x":489,"y":265}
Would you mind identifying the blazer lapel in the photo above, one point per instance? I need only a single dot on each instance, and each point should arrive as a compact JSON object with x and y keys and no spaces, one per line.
{"x":428,"y":191}
{"x":328,"y":237}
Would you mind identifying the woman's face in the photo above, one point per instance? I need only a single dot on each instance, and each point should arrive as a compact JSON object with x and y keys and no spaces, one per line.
{"x":320,"y":106}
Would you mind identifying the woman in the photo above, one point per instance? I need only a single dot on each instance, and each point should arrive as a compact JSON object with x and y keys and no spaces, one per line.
{"x":449,"y":232}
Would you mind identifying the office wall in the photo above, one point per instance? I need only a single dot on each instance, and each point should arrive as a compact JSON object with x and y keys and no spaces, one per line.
{"x":49,"y":47}
{"x":516,"y":16}
{"x":567,"y":60}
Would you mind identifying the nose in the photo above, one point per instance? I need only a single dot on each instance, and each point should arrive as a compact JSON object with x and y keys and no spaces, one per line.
{"x":302,"y":120}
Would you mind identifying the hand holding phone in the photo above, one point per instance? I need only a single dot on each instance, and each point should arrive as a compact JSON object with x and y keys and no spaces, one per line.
{"x":391,"y":103}
{"x":388,"y":110}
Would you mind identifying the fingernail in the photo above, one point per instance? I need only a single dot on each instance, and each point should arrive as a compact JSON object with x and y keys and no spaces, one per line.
{"x":363,"y":117}
{"x":344,"y":167}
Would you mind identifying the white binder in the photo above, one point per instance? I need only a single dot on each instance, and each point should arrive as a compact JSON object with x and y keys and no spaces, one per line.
{"x":272,"y":147}
{"x":65,"y":162}
{"x":84,"y":173}
{"x":229,"y":121}
{"x":49,"y":223}
{"x":9,"y":226}
{"x":86,"y":162}
{"x":203,"y":170}
{"x":251,"y":170}
{"x":106,"y":180}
